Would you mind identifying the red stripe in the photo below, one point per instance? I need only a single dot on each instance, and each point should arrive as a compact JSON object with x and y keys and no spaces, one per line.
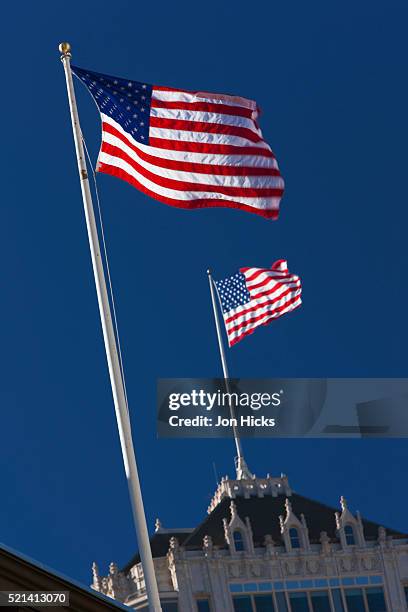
{"x":163,"y":88}
{"x":251,"y":331}
{"x":266,"y":192}
{"x":199,"y":203}
{"x":200,"y":147}
{"x":172,"y":164}
{"x":205,"y":107}
{"x":202,"y":126}
{"x":258,"y":306}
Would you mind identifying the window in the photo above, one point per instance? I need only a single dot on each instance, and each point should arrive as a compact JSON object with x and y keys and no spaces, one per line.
{"x":169,"y":606}
{"x":242,"y":604}
{"x":238,"y":541}
{"x":337,"y":600}
{"x":264,"y":603}
{"x":203,"y":605}
{"x":355,"y":600}
{"x":298,"y":602}
{"x":320,"y":601}
{"x":281,"y":601}
{"x":349,"y":533}
{"x":294,"y":537}
{"x":375,"y":600}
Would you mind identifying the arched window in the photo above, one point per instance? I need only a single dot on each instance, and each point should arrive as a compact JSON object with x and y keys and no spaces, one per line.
{"x":294,"y":537}
{"x":349,"y":533}
{"x":238,"y":541}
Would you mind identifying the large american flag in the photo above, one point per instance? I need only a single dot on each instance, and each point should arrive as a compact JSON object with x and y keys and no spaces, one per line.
{"x":256,"y":296}
{"x":189,"y":149}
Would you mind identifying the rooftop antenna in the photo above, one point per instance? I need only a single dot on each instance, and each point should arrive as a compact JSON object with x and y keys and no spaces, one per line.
{"x":217,"y":480}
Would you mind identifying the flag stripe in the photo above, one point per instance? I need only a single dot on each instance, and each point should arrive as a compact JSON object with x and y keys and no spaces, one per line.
{"x":257,"y":319}
{"x":257,"y":307}
{"x":214,"y":134}
{"x":206,"y":107}
{"x":115,"y":148}
{"x":250,"y":331}
{"x":202,"y":118}
{"x":116,"y":155}
{"x":168,"y":95}
{"x":267,"y":207}
{"x":206,"y":147}
{"x":217,"y":163}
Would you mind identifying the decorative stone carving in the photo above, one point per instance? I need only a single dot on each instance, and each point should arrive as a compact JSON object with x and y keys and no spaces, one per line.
{"x":236,"y":524}
{"x":291,"y":521}
{"x":269,"y":545}
{"x":208,"y":546}
{"x":96,"y":582}
{"x":346,"y":519}
{"x":325,"y":542}
{"x":314,"y":566}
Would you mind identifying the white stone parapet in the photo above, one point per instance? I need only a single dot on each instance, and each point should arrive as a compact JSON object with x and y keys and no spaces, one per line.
{"x":253,"y":487}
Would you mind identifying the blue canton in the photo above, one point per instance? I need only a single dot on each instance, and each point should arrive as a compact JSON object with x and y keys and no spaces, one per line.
{"x":233,"y":292}
{"x":127,"y":102}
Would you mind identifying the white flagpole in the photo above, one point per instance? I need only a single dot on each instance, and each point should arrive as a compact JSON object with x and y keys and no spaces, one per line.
{"x":242,"y":468}
{"x":121,"y":409}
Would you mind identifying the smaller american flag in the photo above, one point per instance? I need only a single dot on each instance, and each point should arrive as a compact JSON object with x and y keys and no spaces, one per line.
{"x":256,"y":296}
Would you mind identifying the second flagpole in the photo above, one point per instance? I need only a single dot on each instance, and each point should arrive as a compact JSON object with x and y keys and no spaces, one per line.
{"x":241,"y":466}
{"x":115,"y":373}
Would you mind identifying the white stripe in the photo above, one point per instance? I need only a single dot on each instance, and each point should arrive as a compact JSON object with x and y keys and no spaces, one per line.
{"x":253,"y":161}
{"x":205,"y":137}
{"x":261,"y":310}
{"x":240,"y":332}
{"x":254,"y":182}
{"x":260,"y":203}
{"x":205,"y":117}
{"x":202,"y":96}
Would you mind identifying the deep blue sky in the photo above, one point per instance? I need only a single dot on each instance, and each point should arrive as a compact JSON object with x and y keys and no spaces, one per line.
{"x":331,"y":80}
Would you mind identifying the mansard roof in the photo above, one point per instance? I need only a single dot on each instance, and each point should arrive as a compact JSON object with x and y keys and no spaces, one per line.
{"x":159,"y":543}
{"x":264,"y":512}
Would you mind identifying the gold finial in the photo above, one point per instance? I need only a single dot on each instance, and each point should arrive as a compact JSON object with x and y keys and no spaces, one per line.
{"x":65,"y":48}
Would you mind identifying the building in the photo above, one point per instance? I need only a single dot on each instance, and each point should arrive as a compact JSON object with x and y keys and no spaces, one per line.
{"x":20,"y":573}
{"x":264,"y":548}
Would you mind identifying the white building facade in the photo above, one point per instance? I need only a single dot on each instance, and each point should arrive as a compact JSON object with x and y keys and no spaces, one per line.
{"x":264,"y":548}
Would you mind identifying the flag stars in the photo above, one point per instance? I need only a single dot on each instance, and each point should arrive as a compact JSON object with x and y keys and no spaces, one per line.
{"x":123,"y":101}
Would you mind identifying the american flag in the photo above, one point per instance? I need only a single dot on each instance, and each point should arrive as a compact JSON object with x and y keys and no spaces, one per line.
{"x":256,"y":296}
{"x":188,"y":149}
